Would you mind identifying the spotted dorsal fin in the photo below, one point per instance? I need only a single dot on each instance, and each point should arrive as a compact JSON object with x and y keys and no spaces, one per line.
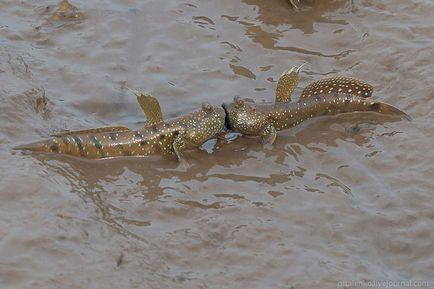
{"x":92,"y":131}
{"x":287,"y":83}
{"x":340,"y":85}
{"x":150,"y":106}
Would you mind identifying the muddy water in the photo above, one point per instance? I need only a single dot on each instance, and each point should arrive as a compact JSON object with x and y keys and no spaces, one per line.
{"x":345,"y":198}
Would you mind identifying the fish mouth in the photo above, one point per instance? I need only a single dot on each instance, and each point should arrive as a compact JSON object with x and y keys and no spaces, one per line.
{"x":227,"y":123}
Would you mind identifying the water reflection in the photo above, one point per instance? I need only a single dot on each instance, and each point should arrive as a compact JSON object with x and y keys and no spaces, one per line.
{"x":277,"y":13}
{"x":274,"y":34}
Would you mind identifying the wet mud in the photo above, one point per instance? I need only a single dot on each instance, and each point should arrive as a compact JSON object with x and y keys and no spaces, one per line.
{"x":339,"y":198}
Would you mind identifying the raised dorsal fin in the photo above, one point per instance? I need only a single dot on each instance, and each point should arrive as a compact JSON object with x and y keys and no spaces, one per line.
{"x":338,"y":84}
{"x":286,"y":84}
{"x":92,"y":131}
{"x":150,"y":106}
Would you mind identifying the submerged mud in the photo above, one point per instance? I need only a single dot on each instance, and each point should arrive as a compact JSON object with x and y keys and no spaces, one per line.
{"x":344,"y":198}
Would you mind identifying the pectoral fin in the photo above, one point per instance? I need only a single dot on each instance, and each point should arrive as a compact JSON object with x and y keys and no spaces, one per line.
{"x":287,"y":83}
{"x":92,"y":131}
{"x":178,"y":145}
{"x":268,"y":134}
{"x":338,"y":84}
{"x":150,"y":106}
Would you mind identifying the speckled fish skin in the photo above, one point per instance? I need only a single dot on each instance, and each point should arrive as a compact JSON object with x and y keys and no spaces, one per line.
{"x":188,"y":131}
{"x":252,"y":119}
{"x":339,"y":85}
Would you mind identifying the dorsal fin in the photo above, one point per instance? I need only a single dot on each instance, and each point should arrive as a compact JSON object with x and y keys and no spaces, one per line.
{"x":149,"y":105}
{"x":286,"y":84}
{"x":92,"y":131}
{"x":338,"y":84}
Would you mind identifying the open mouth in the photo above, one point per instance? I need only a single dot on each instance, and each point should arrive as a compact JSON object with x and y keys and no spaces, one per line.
{"x":227,"y":124}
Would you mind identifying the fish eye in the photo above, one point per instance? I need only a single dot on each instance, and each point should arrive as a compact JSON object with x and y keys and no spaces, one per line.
{"x":207,"y":107}
{"x":238,"y":101}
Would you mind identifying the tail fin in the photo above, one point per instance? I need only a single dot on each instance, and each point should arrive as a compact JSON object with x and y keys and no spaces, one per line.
{"x":385,"y":108}
{"x":40,"y":146}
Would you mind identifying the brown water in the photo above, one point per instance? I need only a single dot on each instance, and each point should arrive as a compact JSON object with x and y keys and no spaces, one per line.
{"x":347,"y":198}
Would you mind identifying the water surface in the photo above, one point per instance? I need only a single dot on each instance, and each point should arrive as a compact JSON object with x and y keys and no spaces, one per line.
{"x":336,"y":198}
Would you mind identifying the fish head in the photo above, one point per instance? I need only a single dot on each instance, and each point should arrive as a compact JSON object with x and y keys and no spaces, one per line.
{"x":204,"y":124}
{"x":242,"y":116}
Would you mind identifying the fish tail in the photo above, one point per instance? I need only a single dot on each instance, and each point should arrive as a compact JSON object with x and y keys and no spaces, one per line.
{"x":385,"y":108}
{"x":40,"y":146}
{"x":350,"y":103}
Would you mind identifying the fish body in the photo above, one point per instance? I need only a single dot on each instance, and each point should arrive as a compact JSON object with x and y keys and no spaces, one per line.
{"x":147,"y":141}
{"x":164,"y":137}
{"x":254,"y":119}
{"x":327,"y":96}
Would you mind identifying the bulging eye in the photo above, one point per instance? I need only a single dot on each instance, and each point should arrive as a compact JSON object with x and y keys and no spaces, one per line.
{"x":238,"y":101}
{"x":207,"y":107}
